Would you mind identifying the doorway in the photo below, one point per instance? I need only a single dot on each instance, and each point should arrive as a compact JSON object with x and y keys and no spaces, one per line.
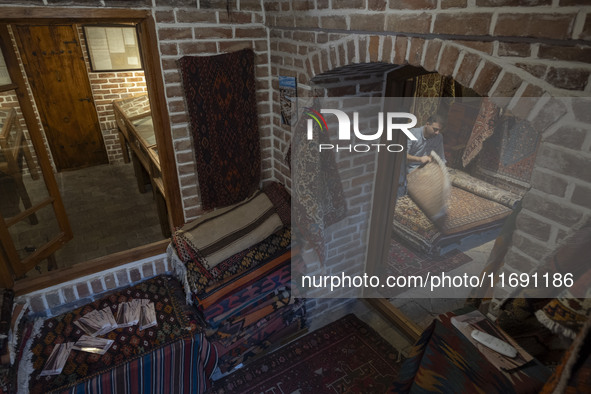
{"x":168,"y":183}
{"x":54,"y":63}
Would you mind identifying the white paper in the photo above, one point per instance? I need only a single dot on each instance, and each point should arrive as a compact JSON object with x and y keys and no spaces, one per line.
{"x":148,"y":316}
{"x":57,"y":359}
{"x":115,"y":39}
{"x":129,"y":36}
{"x":93,"y":345}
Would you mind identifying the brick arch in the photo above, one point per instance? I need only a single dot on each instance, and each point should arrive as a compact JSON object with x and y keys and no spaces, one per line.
{"x":467,"y":66}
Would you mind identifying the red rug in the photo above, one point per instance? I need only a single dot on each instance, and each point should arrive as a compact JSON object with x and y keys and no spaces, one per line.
{"x":404,"y":262}
{"x":346,"y":356}
{"x":221,"y":100}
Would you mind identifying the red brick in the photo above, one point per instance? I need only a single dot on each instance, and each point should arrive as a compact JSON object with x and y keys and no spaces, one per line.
{"x":97,"y":286}
{"x":537,"y":70}
{"x":552,"y":210}
{"x":303,"y":5}
{"x":386,"y":49}
{"x":486,"y":78}
{"x":580,"y":108}
{"x":374,"y":47}
{"x":548,"y":183}
{"x":412,"y":4}
{"x":567,"y":78}
{"x":582,"y":196}
{"x":530,"y":225}
{"x":467,"y":69}
{"x":333,"y":22}
{"x":449,"y":57}
{"x":251,"y":5}
{"x":147,"y":270}
{"x":558,"y":26}
{"x":568,"y":137}
{"x":333,"y":56}
{"x":508,"y":85}
{"x":370,"y":22}
{"x":527,"y":101}
{"x":564,"y":162}
{"x":408,"y":23}
{"x":432,"y":54}
{"x":362,"y":49}
{"x":550,"y":113}
{"x":213,"y":32}
{"x":166,"y":33}
{"x":462,"y":24}
{"x":302,"y":21}
{"x":513,"y":3}
{"x":416,"y":51}
{"x":520,"y":49}
{"x":82,"y":289}
{"x":535,"y":249}
{"x":400,"y":50}
{"x":110,"y":282}
{"x":236,"y":17}
{"x":376,"y":5}
{"x":160,"y":267}
{"x":251,"y":32}
{"x":195,"y":16}
{"x":454,"y":4}
{"x":164,"y":16}
{"x":322,"y":38}
{"x":349,"y":4}
{"x":575,"y":53}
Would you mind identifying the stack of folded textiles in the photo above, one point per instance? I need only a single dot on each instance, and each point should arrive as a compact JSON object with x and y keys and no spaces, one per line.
{"x":235,"y":263}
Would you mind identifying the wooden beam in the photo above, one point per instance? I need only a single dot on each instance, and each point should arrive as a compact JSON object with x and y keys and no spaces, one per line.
{"x":31,"y":15}
{"x":396,"y":317}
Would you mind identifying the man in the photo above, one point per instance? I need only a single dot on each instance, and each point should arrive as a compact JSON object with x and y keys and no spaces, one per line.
{"x":429,"y":139}
{"x":418,"y":152}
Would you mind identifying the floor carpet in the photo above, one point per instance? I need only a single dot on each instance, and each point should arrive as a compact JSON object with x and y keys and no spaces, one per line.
{"x":346,"y":356}
{"x":403,"y":261}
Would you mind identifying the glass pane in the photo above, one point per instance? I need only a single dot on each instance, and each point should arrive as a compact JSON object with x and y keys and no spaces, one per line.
{"x":21,"y":184}
{"x":34,"y":231}
{"x":4,"y":77}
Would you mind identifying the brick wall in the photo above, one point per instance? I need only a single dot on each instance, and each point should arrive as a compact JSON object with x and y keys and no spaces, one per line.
{"x":497,"y":48}
{"x":109,"y":86}
{"x":73,"y":294}
{"x":207,"y":28}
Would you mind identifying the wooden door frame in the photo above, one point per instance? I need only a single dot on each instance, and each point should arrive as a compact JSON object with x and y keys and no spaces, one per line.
{"x":383,"y":205}
{"x":155,"y":85}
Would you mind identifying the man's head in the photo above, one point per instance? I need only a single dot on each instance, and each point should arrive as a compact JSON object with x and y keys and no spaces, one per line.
{"x":433,"y":126}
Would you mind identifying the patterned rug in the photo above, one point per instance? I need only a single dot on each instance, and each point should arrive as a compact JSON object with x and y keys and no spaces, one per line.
{"x":404,"y":262}
{"x":221,"y":102}
{"x":344,"y":356}
{"x":511,"y":150}
{"x":467,"y":214}
{"x":133,"y":352}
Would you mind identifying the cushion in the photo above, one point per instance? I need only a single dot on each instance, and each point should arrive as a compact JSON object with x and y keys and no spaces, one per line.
{"x":430,"y":188}
{"x":219,"y":234}
{"x":566,"y":314}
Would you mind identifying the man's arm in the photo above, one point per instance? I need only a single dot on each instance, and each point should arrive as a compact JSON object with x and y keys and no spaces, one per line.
{"x":418,"y":159}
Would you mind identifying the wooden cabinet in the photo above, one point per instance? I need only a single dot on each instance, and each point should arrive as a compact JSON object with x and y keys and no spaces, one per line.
{"x":136,"y":130}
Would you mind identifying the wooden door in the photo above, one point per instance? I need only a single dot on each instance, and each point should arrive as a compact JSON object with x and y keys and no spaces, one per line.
{"x":58,"y":77}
